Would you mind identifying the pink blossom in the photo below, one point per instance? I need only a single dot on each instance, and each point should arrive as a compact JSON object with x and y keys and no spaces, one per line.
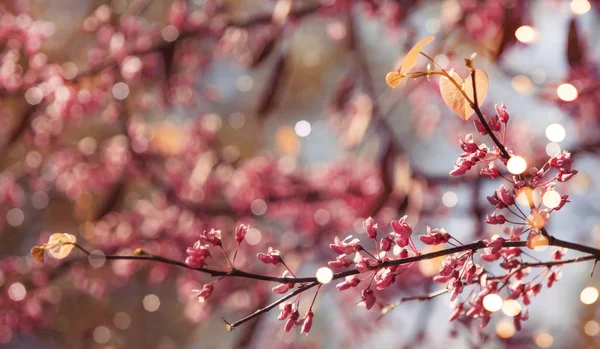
{"x":553,"y":277}
{"x":271,"y":257}
{"x":490,"y":171}
{"x":240,"y":233}
{"x":291,"y":321}
{"x":435,"y":236}
{"x":448,"y":265}
{"x":370,"y":227}
{"x":350,"y":281}
{"x":458,"y":310}
{"x":286,"y":310}
{"x":565,"y":176}
{"x":213,"y":237}
{"x":196,"y":255}
{"x":307,"y":322}
{"x":345,"y":246}
{"x":203,"y":294}
{"x":505,"y":195}
{"x":495,"y":244}
{"x":368,"y":299}
{"x":562,"y":161}
{"x":384,"y":278}
{"x":490,"y":256}
{"x":563,"y":200}
{"x":468,"y":144}
{"x":502,"y":114}
{"x":281,"y":288}
{"x":402,"y":228}
{"x":558,"y":253}
{"x":480,"y":128}
{"x":386,"y":243}
{"x":494,"y":123}
{"x":340,"y":262}
{"x":495,"y":219}
{"x":363,"y":264}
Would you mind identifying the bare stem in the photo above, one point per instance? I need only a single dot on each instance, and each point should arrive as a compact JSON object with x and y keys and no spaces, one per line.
{"x":231,"y":326}
{"x":420,"y":298}
{"x":475,"y":106}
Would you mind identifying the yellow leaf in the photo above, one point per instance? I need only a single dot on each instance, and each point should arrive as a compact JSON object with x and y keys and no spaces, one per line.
{"x":393,"y":78}
{"x":410,"y":60}
{"x":37,"y":253}
{"x":456,"y":100}
{"x":60,"y":245}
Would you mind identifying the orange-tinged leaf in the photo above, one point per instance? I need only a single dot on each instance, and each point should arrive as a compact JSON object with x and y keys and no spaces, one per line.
{"x":410,"y":60}
{"x":456,"y":100}
{"x":535,"y":241}
{"x":37,"y":253}
{"x":393,"y":78}
{"x":60,"y":245}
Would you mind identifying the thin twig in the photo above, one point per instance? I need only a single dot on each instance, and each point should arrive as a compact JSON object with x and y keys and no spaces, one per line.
{"x":309,"y":282}
{"x":420,"y":298}
{"x":475,"y":106}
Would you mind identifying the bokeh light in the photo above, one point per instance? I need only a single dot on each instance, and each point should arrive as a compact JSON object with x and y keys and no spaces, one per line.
{"x":555,"y":132}
{"x":505,"y":328}
{"x":101,"y":334}
{"x":516,"y":165}
{"x":511,"y":307}
{"x":552,"y":149}
{"x":544,"y":340}
{"x":522,"y":84}
{"x":324,"y":275}
{"x":591,"y":328}
{"x":567,"y":92}
{"x":151,"y":303}
{"x":122,"y":320}
{"x":253,"y":236}
{"x":580,"y":7}
{"x":302,"y":128}
{"x":449,"y":199}
{"x":492,"y":302}
{"x":589,"y":295}
{"x":551,"y":199}
{"x":17,"y":292}
{"x":526,"y":34}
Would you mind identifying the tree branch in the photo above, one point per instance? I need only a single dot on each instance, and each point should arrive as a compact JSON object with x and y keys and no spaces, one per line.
{"x":475,"y":106}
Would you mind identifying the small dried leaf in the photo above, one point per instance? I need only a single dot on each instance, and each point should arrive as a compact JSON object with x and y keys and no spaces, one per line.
{"x":139,"y":252}
{"x":393,"y":78}
{"x":410,"y":60}
{"x":37,"y":252}
{"x":60,"y":245}
{"x":455,"y":99}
